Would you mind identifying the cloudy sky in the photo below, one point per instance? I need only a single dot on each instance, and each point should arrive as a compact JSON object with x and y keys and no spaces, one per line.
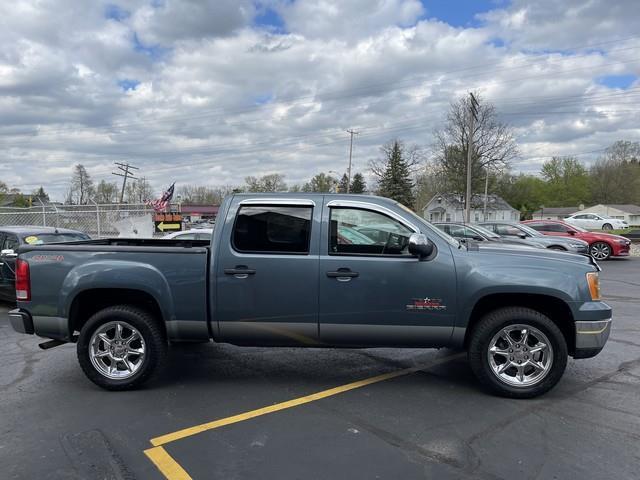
{"x":209,"y":91}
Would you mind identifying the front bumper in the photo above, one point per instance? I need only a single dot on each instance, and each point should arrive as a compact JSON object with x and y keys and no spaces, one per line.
{"x":591,"y":337}
{"x":21,"y":321}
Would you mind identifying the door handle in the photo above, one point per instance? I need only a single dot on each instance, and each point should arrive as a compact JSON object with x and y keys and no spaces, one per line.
{"x":343,"y":274}
{"x":240,"y":271}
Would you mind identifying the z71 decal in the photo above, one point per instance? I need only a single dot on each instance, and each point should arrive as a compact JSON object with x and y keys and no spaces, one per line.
{"x":418,"y":304}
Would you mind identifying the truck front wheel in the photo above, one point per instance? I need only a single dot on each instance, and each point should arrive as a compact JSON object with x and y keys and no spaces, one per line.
{"x":517,"y":352}
{"x":121,"y":347}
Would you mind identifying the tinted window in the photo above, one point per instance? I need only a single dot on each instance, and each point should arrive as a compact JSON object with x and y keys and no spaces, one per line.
{"x":272,"y":229}
{"x":10,"y":242}
{"x":549,"y":227}
{"x":508,"y":230}
{"x":377,"y":233}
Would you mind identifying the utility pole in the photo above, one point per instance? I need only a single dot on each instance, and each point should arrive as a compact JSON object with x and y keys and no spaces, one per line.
{"x":486,"y":191}
{"x":124,"y":168}
{"x":352,"y":132}
{"x":473,"y":115}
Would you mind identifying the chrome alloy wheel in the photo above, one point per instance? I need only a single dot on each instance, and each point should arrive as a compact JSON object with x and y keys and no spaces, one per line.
{"x":520,"y":355}
{"x":600,"y":251}
{"x":117,"y":350}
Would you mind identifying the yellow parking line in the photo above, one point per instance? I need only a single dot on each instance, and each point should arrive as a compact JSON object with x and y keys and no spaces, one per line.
{"x":166,"y":464}
{"x":188,"y":432}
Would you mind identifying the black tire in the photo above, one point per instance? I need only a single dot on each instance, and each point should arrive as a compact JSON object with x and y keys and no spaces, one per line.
{"x":600,"y":250}
{"x":155,"y":346}
{"x":494,"y":322}
{"x":607,"y":226}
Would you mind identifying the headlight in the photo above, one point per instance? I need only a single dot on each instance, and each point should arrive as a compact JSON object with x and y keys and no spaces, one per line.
{"x":576,"y":245}
{"x":593,"y":280}
{"x":623,"y":242}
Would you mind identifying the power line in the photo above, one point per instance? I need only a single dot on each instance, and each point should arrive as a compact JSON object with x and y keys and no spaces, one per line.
{"x":358,"y":91}
{"x":124,"y":168}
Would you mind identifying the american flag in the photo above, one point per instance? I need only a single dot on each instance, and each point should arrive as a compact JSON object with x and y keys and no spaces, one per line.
{"x":160,"y":204}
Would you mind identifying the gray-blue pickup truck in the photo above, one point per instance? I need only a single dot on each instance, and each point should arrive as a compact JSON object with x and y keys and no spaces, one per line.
{"x":314,"y":270}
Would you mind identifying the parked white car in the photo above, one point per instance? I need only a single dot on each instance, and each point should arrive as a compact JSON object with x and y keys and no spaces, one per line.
{"x":593,"y":221}
{"x":194,"y":234}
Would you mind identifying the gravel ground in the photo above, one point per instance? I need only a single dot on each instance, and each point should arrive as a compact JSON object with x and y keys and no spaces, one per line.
{"x":635,"y":249}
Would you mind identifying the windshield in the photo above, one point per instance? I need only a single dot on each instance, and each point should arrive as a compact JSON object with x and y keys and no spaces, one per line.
{"x":45,"y":238}
{"x":529,"y":230}
{"x":486,"y":232}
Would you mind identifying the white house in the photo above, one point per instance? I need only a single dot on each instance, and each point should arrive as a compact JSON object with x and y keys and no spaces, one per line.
{"x":449,"y":207}
{"x":628,"y":213}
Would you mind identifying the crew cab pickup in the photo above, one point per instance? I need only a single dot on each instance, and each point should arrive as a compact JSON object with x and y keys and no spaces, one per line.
{"x":314,"y":270}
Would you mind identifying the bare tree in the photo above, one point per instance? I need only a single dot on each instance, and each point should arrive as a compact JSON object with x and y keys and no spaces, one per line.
{"x":202,"y":195}
{"x":81,"y":189}
{"x":273,"y":182}
{"x":106,"y":192}
{"x":494,"y":144}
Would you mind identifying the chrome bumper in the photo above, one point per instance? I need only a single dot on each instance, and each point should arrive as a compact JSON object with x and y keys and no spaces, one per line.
{"x":21,"y":321}
{"x":591,"y":337}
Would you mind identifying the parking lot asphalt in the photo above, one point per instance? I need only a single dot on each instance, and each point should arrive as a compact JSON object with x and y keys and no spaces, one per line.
{"x":428,"y":418}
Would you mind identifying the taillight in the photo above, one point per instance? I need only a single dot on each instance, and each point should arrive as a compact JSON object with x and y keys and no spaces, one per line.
{"x":23,"y":281}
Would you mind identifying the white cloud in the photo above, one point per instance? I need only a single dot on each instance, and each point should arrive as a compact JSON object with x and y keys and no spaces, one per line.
{"x":224,"y":99}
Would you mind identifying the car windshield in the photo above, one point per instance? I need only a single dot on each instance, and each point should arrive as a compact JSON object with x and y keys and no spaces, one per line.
{"x":45,"y":238}
{"x":529,"y":230}
{"x":484,"y":231}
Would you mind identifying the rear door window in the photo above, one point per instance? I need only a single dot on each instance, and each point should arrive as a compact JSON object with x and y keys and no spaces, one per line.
{"x":272,"y":229}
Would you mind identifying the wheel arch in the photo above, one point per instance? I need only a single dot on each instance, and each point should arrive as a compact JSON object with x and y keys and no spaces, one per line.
{"x":553,"y":307}
{"x":88,"y":302}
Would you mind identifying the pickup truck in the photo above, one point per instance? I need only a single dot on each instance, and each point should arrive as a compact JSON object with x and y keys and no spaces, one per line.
{"x":288,"y":270}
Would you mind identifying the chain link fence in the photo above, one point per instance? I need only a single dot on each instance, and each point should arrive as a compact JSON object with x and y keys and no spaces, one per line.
{"x":98,"y":221}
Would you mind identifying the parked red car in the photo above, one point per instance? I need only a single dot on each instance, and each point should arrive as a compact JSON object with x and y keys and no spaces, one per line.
{"x":601,"y":245}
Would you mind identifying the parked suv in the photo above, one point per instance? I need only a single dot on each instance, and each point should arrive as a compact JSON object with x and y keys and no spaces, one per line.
{"x":602,"y":246}
{"x":517,"y":230}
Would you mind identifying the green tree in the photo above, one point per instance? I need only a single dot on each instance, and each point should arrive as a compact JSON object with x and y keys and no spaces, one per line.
{"x":321,"y":183}
{"x":394,"y":174}
{"x":615,"y":177}
{"x":567,"y":182}
{"x":41,"y":195}
{"x":343,"y":184}
{"x":523,"y":192}
{"x":358,"y":185}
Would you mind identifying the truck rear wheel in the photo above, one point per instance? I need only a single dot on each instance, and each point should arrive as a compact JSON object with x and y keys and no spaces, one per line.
{"x":121,"y":347}
{"x":517,"y":352}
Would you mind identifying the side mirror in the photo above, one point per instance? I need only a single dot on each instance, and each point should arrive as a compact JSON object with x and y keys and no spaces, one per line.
{"x":522,"y":235}
{"x":571,"y":232}
{"x":8,"y":253}
{"x":420,"y":246}
{"x":478,"y":238}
